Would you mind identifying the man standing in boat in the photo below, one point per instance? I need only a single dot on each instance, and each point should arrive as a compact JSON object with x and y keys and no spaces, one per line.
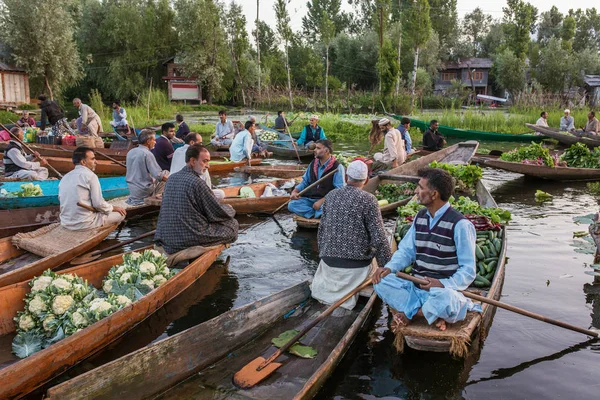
{"x":567,"y":122}
{"x":349,"y":212}
{"x":89,"y":119}
{"x":163,"y":150}
{"x":55,"y":115}
{"x":441,"y":244}
{"x":311,"y":133}
{"x":432,"y":139}
{"x":82,"y":186}
{"x":281,"y":122}
{"x":18,"y":165}
{"x":224,"y":131}
{"x":145,"y":178}
{"x":394,"y":152}
{"x":310,"y":205}
{"x":189,"y":214}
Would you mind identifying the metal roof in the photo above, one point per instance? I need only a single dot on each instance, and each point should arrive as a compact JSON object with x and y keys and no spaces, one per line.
{"x":470,"y":63}
{"x":592,"y":80}
{"x":8,"y":67}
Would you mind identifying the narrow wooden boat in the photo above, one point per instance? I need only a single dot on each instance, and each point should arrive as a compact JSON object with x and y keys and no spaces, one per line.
{"x":26,"y":255}
{"x":23,"y":376}
{"x":594,"y":230}
{"x":542,"y":171}
{"x":459,"y":153}
{"x":285,"y":149}
{"x":567,"y":138}
{"x":457,"y":337}
{"x":103,"y":167}
{"x":275,"y":171}
{"x":307,"y":223}
{"x":112,"y":187}
{"x":469,"y":134}
{"x":221,"y":167}
{"x":210,"y":354}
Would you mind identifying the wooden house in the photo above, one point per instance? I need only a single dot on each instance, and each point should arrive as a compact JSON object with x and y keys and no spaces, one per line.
{"x":592,"y":88}
{"x":14,"y":85}
{"x":473,"y":73}
{"x":181,"y":87}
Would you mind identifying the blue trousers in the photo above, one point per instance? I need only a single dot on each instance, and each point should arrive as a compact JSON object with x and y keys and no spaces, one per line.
{"x":303,"y":208}
{"x":406,"y":297}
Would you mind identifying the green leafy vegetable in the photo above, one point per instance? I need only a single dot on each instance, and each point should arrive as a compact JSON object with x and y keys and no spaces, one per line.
{"x":393,"y":193}
{"x":534,"y":152}
{"x":579,"y":156}
{"x":541,"y":196}
{"x":297,"y":349}
{"x":26,"y":343}
{"x":466,"y":175}
{"x":27,"y":190}
{"x":465,"y":206}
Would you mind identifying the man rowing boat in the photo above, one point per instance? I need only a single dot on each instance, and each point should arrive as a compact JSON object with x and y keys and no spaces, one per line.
{"x":349,"y":212}
{"x":18,"y":165}
{"x":441,"y":244}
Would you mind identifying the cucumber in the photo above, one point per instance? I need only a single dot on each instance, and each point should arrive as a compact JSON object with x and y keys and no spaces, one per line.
{"x":479,"y":253}
{"x":478,"y":284}
{"x":487,"y":260}
{"x":486,"y":252}
{"x":481,"y":268}
{"x":491,"y":235}
{"x":499,"y":235}
{"x":498,"y":245}
{"x":493,"y":252}
{"x":408,"y":269}
{"x":490,"y":276}
{"x":482,"y":280}
{"x":491,"y":267}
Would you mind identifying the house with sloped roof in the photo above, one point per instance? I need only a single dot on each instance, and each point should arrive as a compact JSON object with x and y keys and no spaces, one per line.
{"x":14,"y":85}
{"x":592,"y":88}
{"x":473,"y":73}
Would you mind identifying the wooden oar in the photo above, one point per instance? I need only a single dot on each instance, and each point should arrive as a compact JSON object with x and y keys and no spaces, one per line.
{"x":86,"y":258}
{"x":506,"y":307}
{"x":31,"y":151}
{"x":110,"y":158}
{"x":260,"y":368}
{"x":287,"y":129}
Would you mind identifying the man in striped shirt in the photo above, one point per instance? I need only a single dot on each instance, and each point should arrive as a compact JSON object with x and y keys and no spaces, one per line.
{"x":441,"y":244}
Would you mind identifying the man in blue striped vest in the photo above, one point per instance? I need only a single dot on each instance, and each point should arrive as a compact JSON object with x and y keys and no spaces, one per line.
{"x":441,"y":244}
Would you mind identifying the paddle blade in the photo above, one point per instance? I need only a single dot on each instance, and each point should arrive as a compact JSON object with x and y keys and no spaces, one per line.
{"x":84,"y":259}
{"x":249,"y":376}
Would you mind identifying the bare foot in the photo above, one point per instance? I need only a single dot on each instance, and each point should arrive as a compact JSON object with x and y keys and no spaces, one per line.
{"x":400,"y":320}
{"x":441,"y":324}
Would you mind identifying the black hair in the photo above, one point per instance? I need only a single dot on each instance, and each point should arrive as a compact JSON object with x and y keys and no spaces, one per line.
{"x":327,"y":143}
{"x":440,"y":180}
{"x":194,"y":152}
{"x":222,"y":112}
{"x":166,"y":126}
{"x":279,"y":113}
{"x":42,"y":97}
{"x":179,"y":118}
{"x":191,"y":136}
{"x":593,"y":113}
{"x":80,"y":153}
{"x":248,"y":124}
{"x":117,"y":102}
{"x":433,"y":121}
{"x":404,"y":121}
{"x":542,"y":113}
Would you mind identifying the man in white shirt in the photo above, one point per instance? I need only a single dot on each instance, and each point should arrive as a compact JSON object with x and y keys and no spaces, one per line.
{"x":191,"y":139}
{"x":224,"y":131}
{"x":82,"y":186}
{"x":144,"y":177}
{"x":89,"y":119}
{"x":543,"y":120}
{"x":19,"y":165}
{"x":394,"y":151}
{"x":567,"y":123}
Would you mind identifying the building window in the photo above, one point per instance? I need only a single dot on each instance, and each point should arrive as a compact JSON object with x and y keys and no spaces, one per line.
{"x":448,"y":76}
{"x":477,"y":75}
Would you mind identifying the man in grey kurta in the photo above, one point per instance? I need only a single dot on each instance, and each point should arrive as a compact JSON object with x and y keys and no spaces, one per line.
{"x":144,"y":177}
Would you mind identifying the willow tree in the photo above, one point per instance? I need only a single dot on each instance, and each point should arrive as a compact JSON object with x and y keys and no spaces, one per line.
{"x":285,"y":35}
{"x":418,"y":25}
{"x":238,"y":43}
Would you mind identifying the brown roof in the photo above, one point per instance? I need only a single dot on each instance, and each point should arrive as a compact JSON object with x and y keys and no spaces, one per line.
{"x":8,"y":67}
{"x":470,"y":63}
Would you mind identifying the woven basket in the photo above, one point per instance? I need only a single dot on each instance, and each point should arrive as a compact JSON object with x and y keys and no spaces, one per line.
{"x":43,"y":242}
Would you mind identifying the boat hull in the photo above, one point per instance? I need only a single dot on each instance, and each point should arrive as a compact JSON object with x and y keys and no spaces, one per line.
{"x":543,"y":171}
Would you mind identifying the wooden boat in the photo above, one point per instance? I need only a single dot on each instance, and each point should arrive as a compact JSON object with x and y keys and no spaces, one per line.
{"x":459,"y":153}
{"x":220,"y":167}
{"x":307,"y":223}
{"x":50,"y":246}
{"x":284,"y":147}
{"x":65,"y":165}
{"x":25,"y":375}
{"x":567,"y":138}
{"x":457,"y":337}
{"x":275,"y":171}
{"x":210,"y":353}
{"x":542,"y":171}
{"x":111,"y":187}
{"x":468,"y":134}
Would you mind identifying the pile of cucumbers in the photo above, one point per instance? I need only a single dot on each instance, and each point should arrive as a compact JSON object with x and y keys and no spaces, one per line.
{"x":487,"y":251}
{"x":402,"y":228}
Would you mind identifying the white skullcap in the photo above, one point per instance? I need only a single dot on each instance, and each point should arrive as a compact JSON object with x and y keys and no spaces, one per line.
{"x":567,"y":110}
{"x":357,"y":170}
{"x":314,"y":116}
{"x":384,"y":121}
{"x":251,"y":118}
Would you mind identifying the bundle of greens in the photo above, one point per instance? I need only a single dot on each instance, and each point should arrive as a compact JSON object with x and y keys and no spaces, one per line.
{"x":344,"y":160}
{"x":393,"y":193}
{"x":27,"y":190}
{"x":466,"y":206}
{"x":579,"y":156}
{"x":532,"y":154}
{"x":466,"y":175}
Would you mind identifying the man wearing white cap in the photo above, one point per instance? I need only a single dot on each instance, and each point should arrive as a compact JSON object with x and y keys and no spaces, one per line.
{"x":394,"y":150}
{"x":567,"y":123}
{"x":311,"y":133}
{"x":351,"y":234}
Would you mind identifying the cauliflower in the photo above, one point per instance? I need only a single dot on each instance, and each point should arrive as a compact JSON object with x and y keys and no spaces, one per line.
{"x":68,"y":277}
{"x":125,"y":277}
{"x":61,"y":284}
{"x":159,"y":280}
{"x":123,"y":300}
{"x":147,"y":268}
{"x":61,"y":304}
{"x":108,"y":286}
{"x":80,"y":290}
{"x":147,"y":282}
{"x":135,"y":255}
{"x":26,"y":322}
{"x":41,"y":283}
{"x":155,"y":253}
{"x":79,"y":320}
{"x":100,"y":306}
{"x":120,"y":269}
{"x":49,"y":323}
{"x":165,"y":271}
{"x":37,"y":305}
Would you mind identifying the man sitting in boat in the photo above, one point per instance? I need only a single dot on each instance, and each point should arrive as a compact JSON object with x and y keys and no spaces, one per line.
{"x":394,"y":151}
{"x":90,"y":121}
{"x":189,"y":214}
{"x":145,"y":177}
{"x":179,"y":161}
{"x":543,"y":120}
{"x":19,"y":165}
{"x":311,"y":133}
{"x":26,"y":121}
{"x":441,"y":244}
{"x":432,"y":139}
{"x":241,"y":147}
{"x":119,"y":116}
{"x":592,"y":125}
{"x":567,"y":122}
{"x":82,"y":186}
{"x":281,"y":122}
{"x":224,"y":131}
{"x":259,"y":149}
{"x":310,"y":205}
{"x":163,"y":150}
{"x":349,"y":212}
{"x":403,"y":128}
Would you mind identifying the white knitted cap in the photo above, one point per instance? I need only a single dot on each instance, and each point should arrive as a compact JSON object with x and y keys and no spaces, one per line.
{"x":384,"y":121}
{"x":357,"y":170}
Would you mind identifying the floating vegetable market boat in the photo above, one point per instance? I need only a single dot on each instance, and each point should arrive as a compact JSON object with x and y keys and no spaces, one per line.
{"x":275,"y":171}
{"x":25,"y":375}
{"x":457,"y":337}
{"x":285,"y":148}
{"x":65,"y":165}
{"x":567,"y":138}
{"x":200,"y":362}
{"x":468,"y":134}
{"x":228,"y":166}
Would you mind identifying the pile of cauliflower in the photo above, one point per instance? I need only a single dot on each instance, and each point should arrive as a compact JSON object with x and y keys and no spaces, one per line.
{"x":60,"y":305}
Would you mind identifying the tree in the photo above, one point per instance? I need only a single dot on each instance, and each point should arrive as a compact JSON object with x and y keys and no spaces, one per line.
{"x":568,"y":32}
{"x":39,"y":36}
{"x":326,"y":29}
{"x":444,"y":20}
{"x":285,"y":36}
{"x":314,"y":16}
{"x":552,"y":70}
{"x":306,"y":64}
{"x":238,"y":43}
{"x":388,"y":68}
{"x":549,"y":26}
{"x":519,"y":23}
{"x":509,"y":71}
{"x":418,"y":25}
{"x":356,"y":59}
{"x":476,"y":25}
{"x":494,"y":41}
{"x":587,"y":33}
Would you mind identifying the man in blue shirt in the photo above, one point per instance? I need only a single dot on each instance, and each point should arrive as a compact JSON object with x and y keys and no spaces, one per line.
{"x":310,"y":205}
{"x":241,"y":147}
{"x":403,"y":128}
{"x":441,"y":244}
{"x":311,"y":133}
{"x":119,"y":115}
